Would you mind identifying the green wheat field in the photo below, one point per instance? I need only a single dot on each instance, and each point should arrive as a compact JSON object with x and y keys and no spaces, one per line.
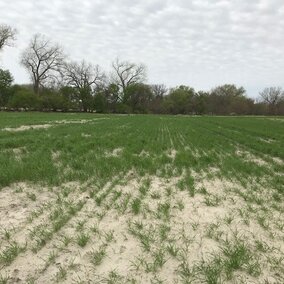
{"x":88,"y":198}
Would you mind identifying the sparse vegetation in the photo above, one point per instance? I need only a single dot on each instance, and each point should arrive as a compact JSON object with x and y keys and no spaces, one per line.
{"x":97,"y":256}
{"x":82,"y":239}
{"x":9,"y":253}
{"x":141,"y":199}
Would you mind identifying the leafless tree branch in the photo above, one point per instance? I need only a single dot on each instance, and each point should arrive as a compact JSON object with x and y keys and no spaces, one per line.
{"x":43,"y":60}
{"x":127,"y":73}
{"x":83,"y":75}
{"x":7,"y":35}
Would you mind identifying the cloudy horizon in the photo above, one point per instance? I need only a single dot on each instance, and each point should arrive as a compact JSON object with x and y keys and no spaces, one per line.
{"x":197,"y":43}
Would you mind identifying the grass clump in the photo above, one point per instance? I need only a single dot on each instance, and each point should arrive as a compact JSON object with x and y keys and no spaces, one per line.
{"x":4,"y":279}
{"x":187,"y":184}
{"x":31,"y":196}
{"x":212,"y":200}
{"x":61,"y":274}
{"x":10,"y":253}
{"x":235,"y":255}
{"x":136,"y":206}
{"x":97,"y":256}
{"x":163,"y":210}
{"x":238,"y":256}
{"x":82,"y":239}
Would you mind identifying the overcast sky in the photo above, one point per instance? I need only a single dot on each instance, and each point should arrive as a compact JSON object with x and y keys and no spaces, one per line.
{"x":201,"y":43}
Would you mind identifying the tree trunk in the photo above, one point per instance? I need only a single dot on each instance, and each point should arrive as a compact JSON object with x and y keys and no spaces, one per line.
{"x":36,"y":88}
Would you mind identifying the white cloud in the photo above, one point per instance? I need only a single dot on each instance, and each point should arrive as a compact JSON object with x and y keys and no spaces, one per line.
{"x":200,"y":43}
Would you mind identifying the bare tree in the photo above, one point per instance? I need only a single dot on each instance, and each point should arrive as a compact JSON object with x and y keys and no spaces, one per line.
{"x":7,"y":35}
{"x":272,"y":96}
{"x":84,"y":78}
{"x":127,"y":73}
{"x":159,"y":90}
{"x":83,"y":75}
{"x":43,"y":60}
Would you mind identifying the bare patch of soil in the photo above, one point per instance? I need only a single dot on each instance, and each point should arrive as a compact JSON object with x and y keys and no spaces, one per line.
{"x":247,"y":156}
{"x":27,"y":127}
{"x":114,"y":153}
{"x":134,"y":230}
{"x":47,"y":125}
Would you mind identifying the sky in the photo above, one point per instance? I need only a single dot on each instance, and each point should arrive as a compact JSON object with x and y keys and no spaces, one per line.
{"x":200,"y":43}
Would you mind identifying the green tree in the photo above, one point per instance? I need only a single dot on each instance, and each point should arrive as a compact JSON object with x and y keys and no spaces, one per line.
{"x":54,"y":100}
{"x":180,"y":100}
{"x":138,"y":97}
{"x":222,"y":98}
{"x":24,"y":98}
{"x":100,"y":102}
{"x":201,"y":102}
{"x":6,"y":80}
{"x":86,"y":99}
{"x":70,"y":97}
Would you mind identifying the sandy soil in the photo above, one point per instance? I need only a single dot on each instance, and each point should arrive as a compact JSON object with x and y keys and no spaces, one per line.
{"x":47,"y":125}
{"x":167,"y":217}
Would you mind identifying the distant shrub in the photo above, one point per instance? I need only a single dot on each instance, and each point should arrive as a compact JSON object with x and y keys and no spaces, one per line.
{"x":24,"y":99}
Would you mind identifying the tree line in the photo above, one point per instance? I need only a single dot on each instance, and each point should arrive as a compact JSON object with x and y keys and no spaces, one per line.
{"x":60,"y":84}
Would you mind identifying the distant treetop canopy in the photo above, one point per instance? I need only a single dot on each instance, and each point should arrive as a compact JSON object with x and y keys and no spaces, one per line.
{"x":60,"y":83}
